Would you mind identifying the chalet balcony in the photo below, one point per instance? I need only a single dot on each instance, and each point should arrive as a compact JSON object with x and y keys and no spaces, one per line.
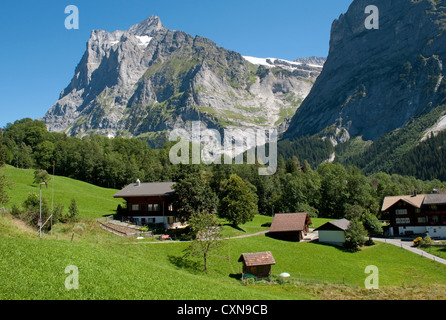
{"x":143,"y":213}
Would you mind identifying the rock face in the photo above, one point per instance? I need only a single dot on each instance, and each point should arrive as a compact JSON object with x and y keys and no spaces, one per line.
{"x":374,"y":81}
{"x":148,"y":80}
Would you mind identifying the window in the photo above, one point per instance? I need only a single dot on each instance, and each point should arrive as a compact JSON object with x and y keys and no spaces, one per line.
{"x":435,"y":219}
{"x":150,"y":207}
{"x":421,"y":219}
{"x":170,"y":208}
{"x":135,"y":207}
{"x":156,"y":207}
{"x":401,"y":211}
{"x":402,"y":220}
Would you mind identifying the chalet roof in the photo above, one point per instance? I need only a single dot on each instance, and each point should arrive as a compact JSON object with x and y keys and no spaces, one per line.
{"x":283,"y":222}
{"x":414,"y":200}
{"x":146,"y":189}
{"x":257,"y":259}
{"x":341,"y":224}
{"x":435,"y":199}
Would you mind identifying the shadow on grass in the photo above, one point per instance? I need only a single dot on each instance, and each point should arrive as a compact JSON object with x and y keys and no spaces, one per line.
{"x":340,"y":248}
{"x":236,"y":276}
{"x":112,"y":213}
{"x":235,"y":227}
{"x":186,"y":263}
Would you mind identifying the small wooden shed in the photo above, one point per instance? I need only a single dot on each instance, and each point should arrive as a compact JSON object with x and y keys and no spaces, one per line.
{"x":257,"y":263}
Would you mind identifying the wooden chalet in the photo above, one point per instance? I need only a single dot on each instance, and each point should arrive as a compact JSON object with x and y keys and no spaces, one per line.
{"x":258,"y":264}
{"x":290,"y":226}
{"x":149,"y":204}
{"x":416,"y":215}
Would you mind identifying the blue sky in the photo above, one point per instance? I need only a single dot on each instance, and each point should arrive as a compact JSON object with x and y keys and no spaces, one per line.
{"x":38,"y":54}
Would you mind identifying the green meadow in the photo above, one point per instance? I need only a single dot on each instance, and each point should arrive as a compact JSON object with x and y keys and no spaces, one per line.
{"x":111,"y":267}
{"x":93,"y":201}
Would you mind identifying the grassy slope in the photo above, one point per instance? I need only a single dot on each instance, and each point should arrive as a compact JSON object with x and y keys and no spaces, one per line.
{"x":34,"y":269}
{"x":92,"y":201}
{"x":110,"y":269}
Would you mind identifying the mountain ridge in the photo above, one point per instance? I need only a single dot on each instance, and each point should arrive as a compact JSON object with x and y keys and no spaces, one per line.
{"x":375,"y":81}
{"x":148,"y":80}
{"x":380,"y":101}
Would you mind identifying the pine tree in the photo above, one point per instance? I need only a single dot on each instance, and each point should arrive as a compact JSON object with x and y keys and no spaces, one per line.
{"x":73,"y":210}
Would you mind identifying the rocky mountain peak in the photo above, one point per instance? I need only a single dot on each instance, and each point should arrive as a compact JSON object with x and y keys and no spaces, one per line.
{"x":148,"y":27}
{"x":148,"y":80}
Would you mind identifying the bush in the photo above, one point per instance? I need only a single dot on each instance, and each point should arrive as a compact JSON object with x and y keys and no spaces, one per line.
{"x":15,"y":211}
{"x":73,"y":210}
{"x":58,"y":212}
{"x":426,"y":241}
{"x":41,"y":176}
{"x":31,"y":211}
{"x":79,"y":228}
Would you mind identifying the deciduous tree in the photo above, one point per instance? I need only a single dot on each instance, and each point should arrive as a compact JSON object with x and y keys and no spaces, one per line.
{"x":206,"y":236}
{"x":355,"y":235}
{"x":192,"y":195}
{"x":238,"y":203}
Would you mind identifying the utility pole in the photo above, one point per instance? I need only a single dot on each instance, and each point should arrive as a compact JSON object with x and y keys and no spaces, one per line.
{"x":52,"y":199}
{"x":40,"y":219}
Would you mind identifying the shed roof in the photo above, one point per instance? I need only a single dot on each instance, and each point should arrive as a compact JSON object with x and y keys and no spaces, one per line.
{"x":284,"y":222}
{"x":257,"y":259}
{"x":341,"y":224}
{"x":414,"y":200}
{"x":146,"y":189}
{"x":436,"y":198}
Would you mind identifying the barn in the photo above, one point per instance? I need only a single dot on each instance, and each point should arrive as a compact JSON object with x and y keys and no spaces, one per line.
{"x":289,"y":226}
{"x":258,"y":263}
{"x":333,"y":232}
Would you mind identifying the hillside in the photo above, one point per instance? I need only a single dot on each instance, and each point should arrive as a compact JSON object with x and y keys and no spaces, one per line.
{"x":112,"y":267}
{"x":34,"y":269}
{"x":93,"y":202}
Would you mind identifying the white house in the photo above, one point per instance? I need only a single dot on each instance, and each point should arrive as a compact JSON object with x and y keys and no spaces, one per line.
{"x":333,"y":232}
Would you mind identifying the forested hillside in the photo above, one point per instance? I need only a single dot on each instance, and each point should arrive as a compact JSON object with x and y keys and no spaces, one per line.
{"x":328,"y":190}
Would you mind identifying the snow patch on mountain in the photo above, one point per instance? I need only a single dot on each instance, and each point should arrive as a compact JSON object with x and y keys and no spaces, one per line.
{"x":144,"y":40}
{"x":282,"y":63}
